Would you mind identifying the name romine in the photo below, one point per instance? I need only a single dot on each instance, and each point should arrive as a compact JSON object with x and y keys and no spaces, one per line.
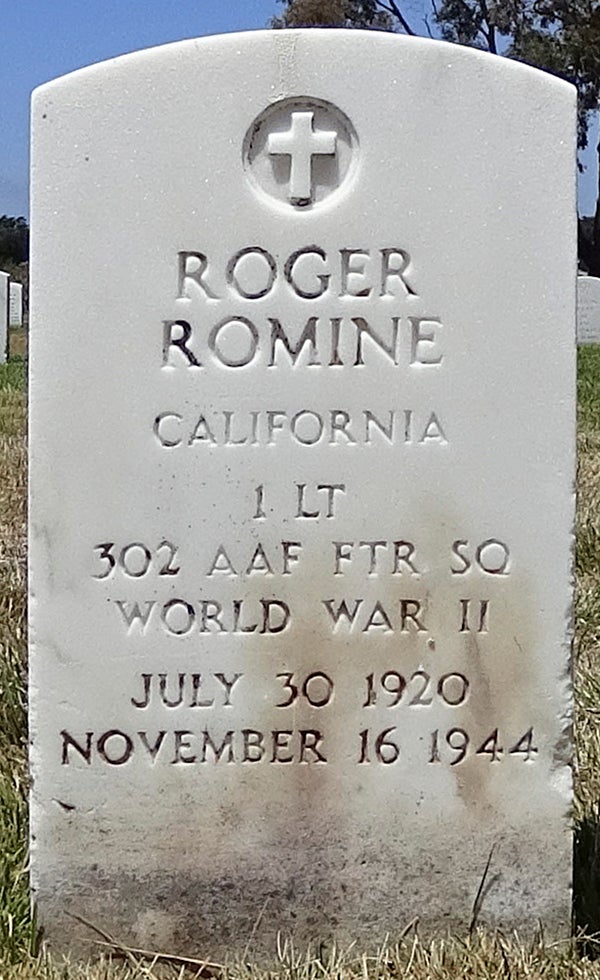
{"x":361,"y":280}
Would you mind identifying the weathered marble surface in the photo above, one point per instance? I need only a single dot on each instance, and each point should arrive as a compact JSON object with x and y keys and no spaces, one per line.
{"x":264,"y":385}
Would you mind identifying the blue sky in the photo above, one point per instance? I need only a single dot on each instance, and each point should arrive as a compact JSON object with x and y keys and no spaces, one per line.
{"x":41,"y":39}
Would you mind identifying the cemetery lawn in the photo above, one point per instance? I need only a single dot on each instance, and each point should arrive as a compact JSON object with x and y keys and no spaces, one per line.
{"x":477,"y":956}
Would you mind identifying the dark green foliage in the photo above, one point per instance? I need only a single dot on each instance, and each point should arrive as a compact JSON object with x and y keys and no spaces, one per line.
{"x":333,"y":13}
{"x":14,"y":241}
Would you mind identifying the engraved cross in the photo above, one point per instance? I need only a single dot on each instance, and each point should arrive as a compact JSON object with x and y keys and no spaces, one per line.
{"x":301,"y":143}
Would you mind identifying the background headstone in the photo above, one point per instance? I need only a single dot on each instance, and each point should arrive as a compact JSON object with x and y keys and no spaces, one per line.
{"x":16,"y":304}
{"x":588,"y":310}
{"x":4,"y":305}
{"x":300,"y":531}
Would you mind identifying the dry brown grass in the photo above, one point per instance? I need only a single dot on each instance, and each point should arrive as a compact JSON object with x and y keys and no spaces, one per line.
{"x":483,"y":957}
{"x":17,"y":342}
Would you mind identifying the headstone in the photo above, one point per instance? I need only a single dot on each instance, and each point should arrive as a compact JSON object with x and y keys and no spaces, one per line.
{"x":588,"y":310}
{"x":16,"y":304}
{"x":302,"y":500}
{"x":4,"y":303}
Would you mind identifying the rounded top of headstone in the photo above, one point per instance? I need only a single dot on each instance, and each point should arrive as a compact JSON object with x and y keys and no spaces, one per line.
{"x":295,"y":115}
{"x":293,"y":43}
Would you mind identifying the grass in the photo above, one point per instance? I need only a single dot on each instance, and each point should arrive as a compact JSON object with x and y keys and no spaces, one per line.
{"x":479,"y":956}
{"x":17,"y":932}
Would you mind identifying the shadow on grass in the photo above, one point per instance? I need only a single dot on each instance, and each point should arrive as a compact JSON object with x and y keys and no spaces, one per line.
{"x":586,"y":884}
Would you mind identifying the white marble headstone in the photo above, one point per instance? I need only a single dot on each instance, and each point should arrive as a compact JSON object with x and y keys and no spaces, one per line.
{"x":588,"y":310}
{"x":4,"y":306}
{"x":302,"y":505}
{"x":16,"y":304}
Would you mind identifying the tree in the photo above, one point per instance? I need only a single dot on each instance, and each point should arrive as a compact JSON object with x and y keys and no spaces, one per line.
{"x":574,"y":27}
{"x":559,"y":36}
{"x":368,"y":14}
{"x":14,"y":241}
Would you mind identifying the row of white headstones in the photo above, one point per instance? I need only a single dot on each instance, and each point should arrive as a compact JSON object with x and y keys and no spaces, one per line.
{"x":11,"y":310}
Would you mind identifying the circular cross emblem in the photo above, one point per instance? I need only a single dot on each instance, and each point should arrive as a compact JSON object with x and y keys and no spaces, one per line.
{"x":299,"y":151}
